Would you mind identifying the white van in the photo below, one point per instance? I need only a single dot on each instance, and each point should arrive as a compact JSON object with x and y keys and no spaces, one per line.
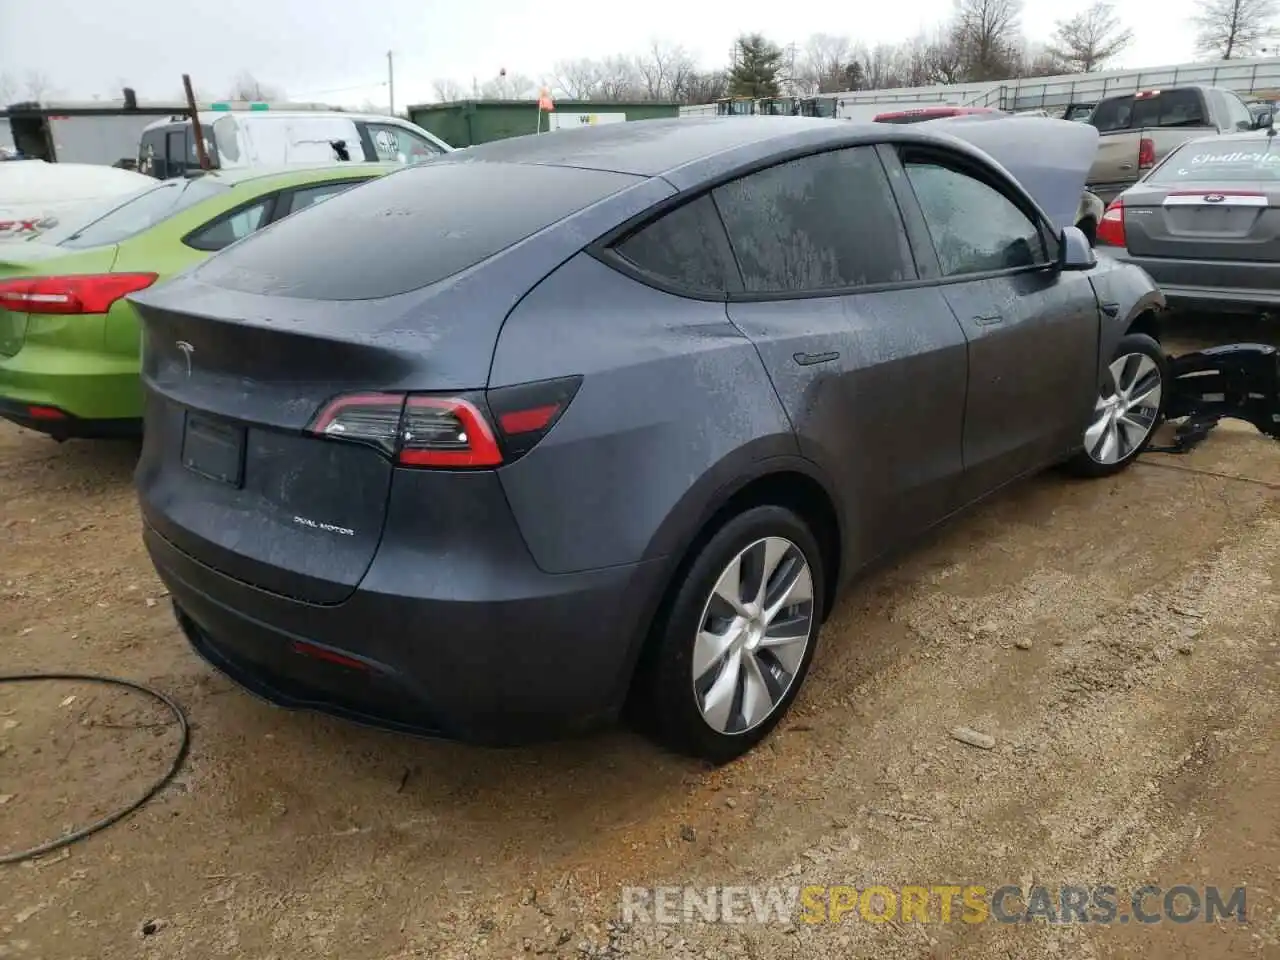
{"x":253,"y":138}
{"x":34,"y":194}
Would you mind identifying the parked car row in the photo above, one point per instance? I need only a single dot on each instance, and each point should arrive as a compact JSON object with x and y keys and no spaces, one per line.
{"x":1204,"y":223}
{"x":238,"y":139}
{"x":503,"y":445}
{"x":1138,"y":130}
{"x":35,"y":194}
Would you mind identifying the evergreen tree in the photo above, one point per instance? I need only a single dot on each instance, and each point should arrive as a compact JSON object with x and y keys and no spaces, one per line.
{"x":757,"y":64}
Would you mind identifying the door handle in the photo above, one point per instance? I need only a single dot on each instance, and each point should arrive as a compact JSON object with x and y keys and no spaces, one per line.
{"x":1111,"y":309}
{"x":988,"y":321}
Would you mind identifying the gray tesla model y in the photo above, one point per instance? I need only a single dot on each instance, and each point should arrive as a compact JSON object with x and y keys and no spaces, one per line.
{"x":496,"y":445}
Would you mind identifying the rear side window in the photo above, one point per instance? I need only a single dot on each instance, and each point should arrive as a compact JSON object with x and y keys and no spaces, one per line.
{"x":686,"y":247}
{"x":231,"y":227}
{"x":409,"y":229}
{"x":304,"y":197}
{"x":823,"y":222}
{"x":1173,"y":108}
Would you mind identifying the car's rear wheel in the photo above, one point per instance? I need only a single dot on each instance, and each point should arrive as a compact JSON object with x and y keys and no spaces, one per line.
{"x":732,"y":651}
{"x":1128,"y":408}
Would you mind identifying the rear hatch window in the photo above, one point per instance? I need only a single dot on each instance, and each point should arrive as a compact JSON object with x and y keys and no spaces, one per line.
{"x":1230,"y":161}
{"x":115,"y":222}
{"x":407,"y":230}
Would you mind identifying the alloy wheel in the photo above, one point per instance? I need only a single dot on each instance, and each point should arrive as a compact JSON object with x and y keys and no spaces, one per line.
{"x":756,"y":627}
{"x":1126,"y":410}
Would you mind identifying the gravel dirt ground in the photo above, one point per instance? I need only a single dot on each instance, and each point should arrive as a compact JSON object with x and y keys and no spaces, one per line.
{"x":1117,"y":639}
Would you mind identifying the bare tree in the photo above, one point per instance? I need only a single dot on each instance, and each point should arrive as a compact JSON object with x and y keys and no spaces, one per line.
{"x":248,"y":87}
{"x":578,"y":79}
{"x":619,"y":79}
{"x":988,"y":35}
{"x":8,"y":89}
{"x":1087,"y":41}
{"x":37,"y":86}
{"x":664,"y":71}
{"x":1230,"y":29}
{"x":707,"y":87}
{"x":509,"y":86}
{"x":447,"y":91}
{"x":823,"y":66}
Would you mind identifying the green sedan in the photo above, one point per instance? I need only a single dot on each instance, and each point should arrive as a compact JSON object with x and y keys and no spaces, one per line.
{"x":70,"y":341}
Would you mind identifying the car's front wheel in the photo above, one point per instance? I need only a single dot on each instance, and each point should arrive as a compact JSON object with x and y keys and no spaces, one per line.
{"x":1128,"y":408}
{"x":731,"y":653}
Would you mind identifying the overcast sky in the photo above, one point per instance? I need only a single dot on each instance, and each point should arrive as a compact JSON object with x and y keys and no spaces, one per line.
{"x":336,"y":52}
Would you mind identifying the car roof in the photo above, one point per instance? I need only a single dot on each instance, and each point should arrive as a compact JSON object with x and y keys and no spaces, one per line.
{"x":651,"y":148}
{"x":302,"y":172}
{"x":212,"y":116}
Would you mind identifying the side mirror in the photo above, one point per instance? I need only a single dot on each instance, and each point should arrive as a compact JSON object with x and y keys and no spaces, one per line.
{"x":1075,"y":252}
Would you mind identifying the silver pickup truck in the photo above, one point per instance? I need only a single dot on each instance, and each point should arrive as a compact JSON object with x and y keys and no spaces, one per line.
{"x":1137,"y":130}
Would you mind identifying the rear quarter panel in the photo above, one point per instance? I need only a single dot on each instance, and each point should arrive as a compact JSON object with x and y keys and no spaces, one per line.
{"x":156,"y":251}
{"x":675,"y":407}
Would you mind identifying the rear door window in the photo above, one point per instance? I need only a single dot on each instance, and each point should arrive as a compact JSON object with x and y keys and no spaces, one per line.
{"x":686,"y":248}
{"x":409,"y":229}
{"x":820,"y":223}
{"x":230,"y":227}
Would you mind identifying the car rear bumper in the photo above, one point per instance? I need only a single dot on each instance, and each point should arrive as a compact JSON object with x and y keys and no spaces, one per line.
{"x":515,"y":661}
{"x":99,"y":394}
{"x":61,"y":425}
{"x":1197,"y":284}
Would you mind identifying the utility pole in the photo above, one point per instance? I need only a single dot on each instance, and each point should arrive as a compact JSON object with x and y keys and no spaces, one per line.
{"x":391,"y":83}
{"x":202,"y":155}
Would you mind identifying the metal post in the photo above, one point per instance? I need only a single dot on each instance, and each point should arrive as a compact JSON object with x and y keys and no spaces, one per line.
{"x":201,"y":154}
{"x":391,"y":83}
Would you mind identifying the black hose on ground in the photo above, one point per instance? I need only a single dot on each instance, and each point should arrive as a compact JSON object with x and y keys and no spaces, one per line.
{"x":18,"y":856}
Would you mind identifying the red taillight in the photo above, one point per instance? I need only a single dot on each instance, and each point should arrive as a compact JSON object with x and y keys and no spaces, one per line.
{"x":1111,"y":228}
{"x":81,"y":294}
{"x":446,"y":432}
{"x":1146,"y":153}
{"x":450,"y":432}
{"x":45,"y":413}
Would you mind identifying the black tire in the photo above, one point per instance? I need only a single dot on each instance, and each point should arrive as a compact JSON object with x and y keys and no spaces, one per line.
{"x":666,"y":703}
{"x":1085,"y":464}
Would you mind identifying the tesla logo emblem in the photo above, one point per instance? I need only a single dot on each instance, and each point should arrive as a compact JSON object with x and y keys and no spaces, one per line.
{"x":187,"y":350}
{"x":1214,"y":198}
